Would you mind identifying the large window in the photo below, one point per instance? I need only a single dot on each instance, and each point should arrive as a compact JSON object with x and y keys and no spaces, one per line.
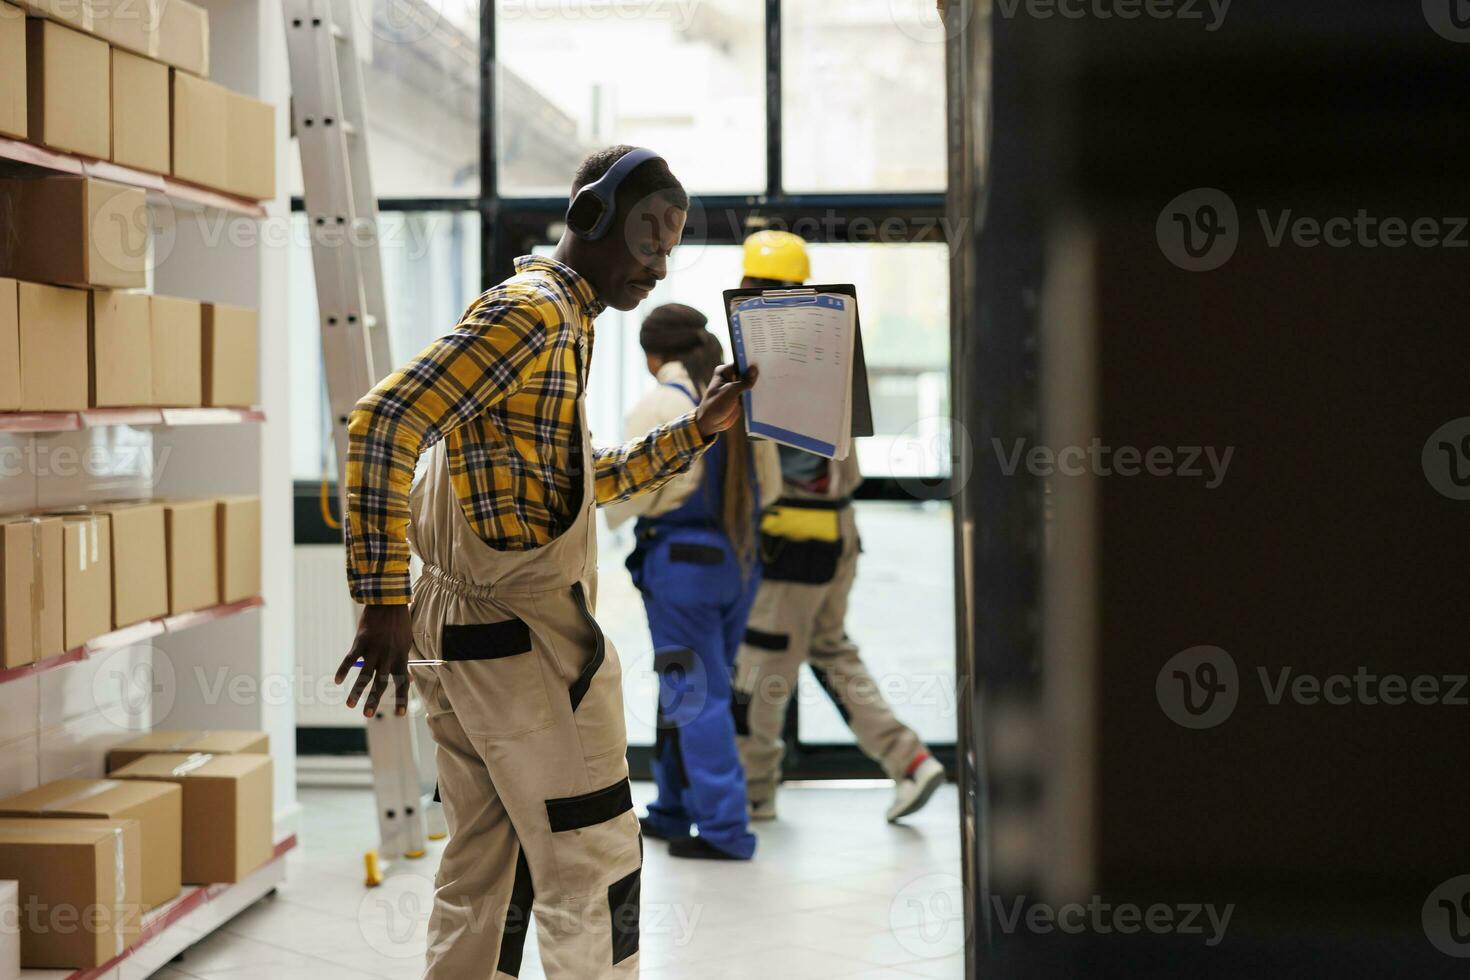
{"x":863,"y":88}
{"x":421,"y":81}
{"x":575,"y":75}
{"x":431,"y":270}
{"x":823,"y":119}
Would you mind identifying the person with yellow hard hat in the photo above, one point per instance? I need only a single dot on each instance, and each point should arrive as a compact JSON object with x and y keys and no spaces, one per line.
{"x":809,"y":550}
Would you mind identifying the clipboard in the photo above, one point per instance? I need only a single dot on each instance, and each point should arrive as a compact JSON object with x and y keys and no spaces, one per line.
{"x":862,"y":404}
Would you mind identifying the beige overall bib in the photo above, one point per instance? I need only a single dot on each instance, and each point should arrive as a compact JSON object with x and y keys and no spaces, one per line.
{"x":527,"y":714}
{"x":796,"y":622}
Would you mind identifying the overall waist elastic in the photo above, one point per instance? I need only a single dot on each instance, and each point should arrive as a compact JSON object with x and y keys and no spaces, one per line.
{"x":476,"y":590}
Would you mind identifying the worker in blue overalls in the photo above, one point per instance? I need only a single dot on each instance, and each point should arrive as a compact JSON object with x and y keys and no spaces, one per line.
{"x":695,"y":563}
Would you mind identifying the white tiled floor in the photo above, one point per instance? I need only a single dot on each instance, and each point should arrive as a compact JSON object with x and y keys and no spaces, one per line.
{"x":834,"y":891}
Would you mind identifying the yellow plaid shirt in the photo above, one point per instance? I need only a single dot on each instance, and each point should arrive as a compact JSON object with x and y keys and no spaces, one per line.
{"x":501,"y":391}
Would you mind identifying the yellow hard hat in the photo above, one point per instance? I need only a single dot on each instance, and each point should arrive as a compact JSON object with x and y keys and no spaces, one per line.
{"x":778,"y":255}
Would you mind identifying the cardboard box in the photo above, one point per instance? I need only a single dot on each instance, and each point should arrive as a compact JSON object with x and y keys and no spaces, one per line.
{"x":67,"y":89}
{"x":128,"y":24}
{"x":73,"y":13}
{"x":74,"y":231}
{"x":20,"y":569}
{"x":53,"y":348}
{"x":183,"y":36}
{"x":9,"y":345}
{"x":199,"y":109}
{"x":239,"y":548}
{"x":140,"y":134}
{"x":177,"y":342}
{"x":250,"y":157}
{"x":231,"y":356}
{"x":32,"y":607}
{"x":79,"y":876}
{"x":158,"y":808}
{"x":13,"y":121}
{"x":193,"y":555}
{"x":188,"y":743}
{"x":48,"y":595}
{"x":9,"y":930}
{"x":228,"y":813}
{"x":139,"y":562}
{"x":86,"y":560}
{"x":121,"y":335}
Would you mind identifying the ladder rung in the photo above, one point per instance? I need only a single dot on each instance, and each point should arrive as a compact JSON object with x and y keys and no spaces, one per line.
{"x":349,"y":128}
{"x":338,"y":33}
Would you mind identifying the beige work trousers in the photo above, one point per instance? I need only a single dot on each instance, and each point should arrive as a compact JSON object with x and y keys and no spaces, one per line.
{"x":793,"y":623}
{"x":527,"y":715}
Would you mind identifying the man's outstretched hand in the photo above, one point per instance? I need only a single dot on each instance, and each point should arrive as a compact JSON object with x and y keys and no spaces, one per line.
{"x":384,"y":637}
{"x":720,"y":407}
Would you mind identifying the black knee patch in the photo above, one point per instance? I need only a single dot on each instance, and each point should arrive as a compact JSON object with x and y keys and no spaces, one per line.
{"x":762,"y":640}
{"x":826,"y":681}
{"x":517,"y":920}
{"x":740,"y":710}
{"x":622,"y":907}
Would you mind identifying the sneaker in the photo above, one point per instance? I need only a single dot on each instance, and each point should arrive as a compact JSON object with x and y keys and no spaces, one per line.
{"x":915,"y":788}
{"x":763,"y":809}
{"x":698,"y":847}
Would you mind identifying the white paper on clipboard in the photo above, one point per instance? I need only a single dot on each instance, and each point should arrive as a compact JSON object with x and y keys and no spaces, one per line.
{"x":803,"y":341}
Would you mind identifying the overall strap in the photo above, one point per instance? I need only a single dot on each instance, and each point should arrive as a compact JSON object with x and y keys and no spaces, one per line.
{"x":682,"y":390}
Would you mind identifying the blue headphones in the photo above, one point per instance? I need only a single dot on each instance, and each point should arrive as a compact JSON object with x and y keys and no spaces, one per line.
{"x":591,"y":212}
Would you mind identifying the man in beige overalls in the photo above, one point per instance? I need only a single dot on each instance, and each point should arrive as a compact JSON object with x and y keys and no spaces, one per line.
{"x":809,"y":555}
{"x":523,"y":690}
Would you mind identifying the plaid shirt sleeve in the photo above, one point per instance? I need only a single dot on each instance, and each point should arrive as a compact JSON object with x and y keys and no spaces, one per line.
{"x":648,"y":462}
{"x":457,"y":377}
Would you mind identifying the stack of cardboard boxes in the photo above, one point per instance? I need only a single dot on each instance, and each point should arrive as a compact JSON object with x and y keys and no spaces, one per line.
{"x":127,"y":81}
{"x":177,"y":808}
{"x":68,"y":578}
{"x":119,"y":80}
{"x":65,"y":349}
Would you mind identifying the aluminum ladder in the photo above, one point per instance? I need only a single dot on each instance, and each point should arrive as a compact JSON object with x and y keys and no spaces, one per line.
{"x":330,"y":124}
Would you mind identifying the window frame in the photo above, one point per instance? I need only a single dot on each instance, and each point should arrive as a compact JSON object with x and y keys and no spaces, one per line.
{"x":512,"y":226}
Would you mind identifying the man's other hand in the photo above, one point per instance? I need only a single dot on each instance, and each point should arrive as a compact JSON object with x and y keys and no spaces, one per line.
{"x":720,"y":407}
{"x":384,"y":637}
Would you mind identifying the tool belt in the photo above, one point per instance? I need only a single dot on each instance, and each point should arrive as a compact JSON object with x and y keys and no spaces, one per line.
{"x":801,"y":540}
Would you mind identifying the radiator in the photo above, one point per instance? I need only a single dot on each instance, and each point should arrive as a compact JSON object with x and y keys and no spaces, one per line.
{"x":326,"y":620}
